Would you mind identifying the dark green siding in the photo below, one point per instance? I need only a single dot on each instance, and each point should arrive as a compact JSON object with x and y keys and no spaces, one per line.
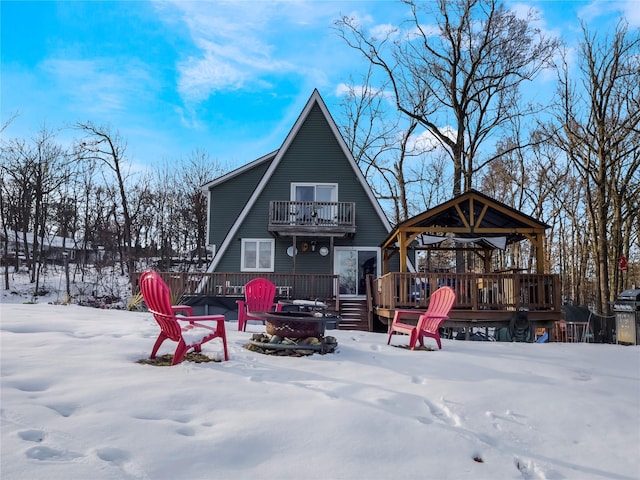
{"x":313,"y":156}
{"x":229,"y":198}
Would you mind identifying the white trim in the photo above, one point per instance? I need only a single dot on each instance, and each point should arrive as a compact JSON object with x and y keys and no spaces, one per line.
{"x":258,"y":241}
{"x":209,"y":211}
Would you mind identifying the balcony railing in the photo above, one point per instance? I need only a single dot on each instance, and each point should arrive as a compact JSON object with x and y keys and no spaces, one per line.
{"x":312,"y":218}
{"x":288,"y":285}
{"x":474,"y":291}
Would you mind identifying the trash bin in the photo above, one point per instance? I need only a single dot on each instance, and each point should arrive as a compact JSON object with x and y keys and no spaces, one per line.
{"x":627,"y":312}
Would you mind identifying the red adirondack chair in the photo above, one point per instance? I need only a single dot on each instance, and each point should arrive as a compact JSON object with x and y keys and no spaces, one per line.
{"x":188,"y":331}
{"x":440,"y":304}
{"x":259,"y":296}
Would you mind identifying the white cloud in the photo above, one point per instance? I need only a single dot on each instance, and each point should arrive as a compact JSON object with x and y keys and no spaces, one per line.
{"x":359,"y":90}
{"x":599,"y":10}
{"x":199,"y":76}
{"x":238,"y":44}
{"x":359,"y":19}
{"x":99,"y":85}
{"x":631,"y":10}
{"x":427,"y":141}
{"x":383,"y":31}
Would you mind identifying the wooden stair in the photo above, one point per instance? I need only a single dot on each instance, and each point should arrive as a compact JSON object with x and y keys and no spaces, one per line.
{"x":355,"y":315}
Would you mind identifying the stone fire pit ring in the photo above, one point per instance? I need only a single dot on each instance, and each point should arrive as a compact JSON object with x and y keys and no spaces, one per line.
{"x":300,"y":333}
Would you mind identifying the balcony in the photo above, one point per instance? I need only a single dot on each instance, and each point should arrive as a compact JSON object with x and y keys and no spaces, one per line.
{"x":320,"y":219}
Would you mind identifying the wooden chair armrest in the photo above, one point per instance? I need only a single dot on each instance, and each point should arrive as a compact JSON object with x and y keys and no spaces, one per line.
{"x":403,"y":312}
{"x":208,"y":318}
{"x":187,"y":309}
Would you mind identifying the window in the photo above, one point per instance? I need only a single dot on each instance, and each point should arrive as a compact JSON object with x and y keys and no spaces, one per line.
{"x":312,"y":192}
{"x":257,"y":255}
{"x":316,"y":200}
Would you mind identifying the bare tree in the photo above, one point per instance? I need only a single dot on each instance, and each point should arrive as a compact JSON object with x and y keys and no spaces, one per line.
{"x":166,"y":226}
{"x":385,"y":145}
{"x":5,"y":215}
{"x":34,"y":173}
{"x":597,"y":122}
{"x":103,"y":146}
{"x":461,"y":80}
{"x":198,"y":170}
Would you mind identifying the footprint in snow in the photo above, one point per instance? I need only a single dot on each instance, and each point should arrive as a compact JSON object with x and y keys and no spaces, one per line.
{"x":508,"y":416}
{"x":44,"y":453}
{"x":63,"y":409}
{"x":186,"y":431}
{"x":444,"y":413}
{"x":121,"y":459}
{"x":113,"y":455}
{"x":33,"y":385}
{"x":36,"y":436}
{"x":582,"y":375}
{"x":424,"y":420}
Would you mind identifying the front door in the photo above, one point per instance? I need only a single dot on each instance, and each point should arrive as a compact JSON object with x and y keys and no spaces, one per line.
{"x":352,"y":265}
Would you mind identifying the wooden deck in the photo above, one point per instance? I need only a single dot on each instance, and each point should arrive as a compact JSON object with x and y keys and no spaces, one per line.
{"x":482,"y":300}
{"x":231,"y":284}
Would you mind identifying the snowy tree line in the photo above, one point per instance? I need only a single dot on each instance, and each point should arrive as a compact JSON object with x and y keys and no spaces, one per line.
{"x":90,"y":195}
{"x":435,"y":112}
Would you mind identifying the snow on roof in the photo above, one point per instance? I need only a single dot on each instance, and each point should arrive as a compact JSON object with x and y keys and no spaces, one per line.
{"x":51,"y":241}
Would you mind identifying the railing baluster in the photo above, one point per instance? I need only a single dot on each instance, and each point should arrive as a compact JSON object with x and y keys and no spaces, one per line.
{"x":476,"y":291}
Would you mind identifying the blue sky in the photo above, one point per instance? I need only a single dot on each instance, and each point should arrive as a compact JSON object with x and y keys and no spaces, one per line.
{"x":226,"y":77}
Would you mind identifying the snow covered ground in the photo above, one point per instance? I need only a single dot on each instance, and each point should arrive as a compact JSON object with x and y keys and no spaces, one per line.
{"x":76,"y":405}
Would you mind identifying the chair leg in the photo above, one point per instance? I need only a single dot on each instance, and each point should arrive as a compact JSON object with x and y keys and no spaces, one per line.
{"x":180,"y":352}
{"x":242,"y":321}
{"x":390,"y":333}
{"x":435,"y":336}
{"x":413,"y":338}
{"x":223,"y":335}
{"x":161,"y":338}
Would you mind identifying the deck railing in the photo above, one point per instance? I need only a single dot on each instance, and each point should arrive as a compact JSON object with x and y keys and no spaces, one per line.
{"x":316,"y":217}
{"x":288,"y":285}
{"x":474,"y":291}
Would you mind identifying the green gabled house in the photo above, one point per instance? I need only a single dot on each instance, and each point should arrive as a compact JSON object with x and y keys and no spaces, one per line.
{"x":301,"y":215}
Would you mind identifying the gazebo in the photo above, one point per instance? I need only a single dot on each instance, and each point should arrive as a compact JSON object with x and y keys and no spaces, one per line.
{"x":474,"y":226}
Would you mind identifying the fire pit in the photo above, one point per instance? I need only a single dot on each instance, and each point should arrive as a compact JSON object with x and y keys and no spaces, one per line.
{"x":295,"y":332}
{"x":294,"y":324}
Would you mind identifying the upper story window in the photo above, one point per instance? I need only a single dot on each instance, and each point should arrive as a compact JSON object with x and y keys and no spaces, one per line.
{"x":314,"y":192}
{"x":315,"y":197}
{"x":257,"y":255}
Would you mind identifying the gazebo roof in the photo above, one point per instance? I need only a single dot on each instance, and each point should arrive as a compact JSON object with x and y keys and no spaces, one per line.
{"x":469,"y":217}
